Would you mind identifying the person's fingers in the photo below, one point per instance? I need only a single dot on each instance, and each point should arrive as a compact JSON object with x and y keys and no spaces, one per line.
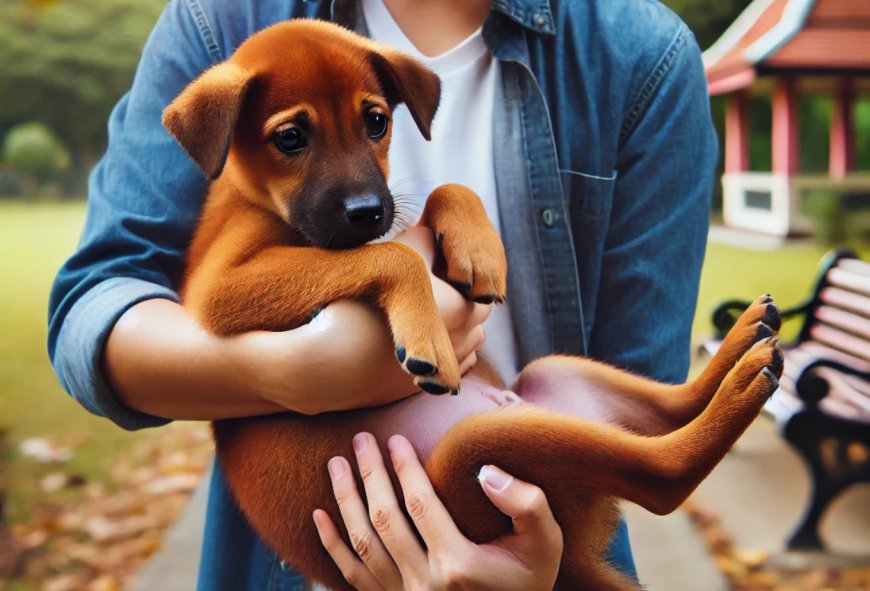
{"x":454,"y":309}
{"x":351,"y":567}
{"x":365,"y":542}
{"x":470,"y":342}
{"x":467,"y":364}
{"x":527,"y":507}
{"x":480,"y":313}
{"x":434,"y":523}
{"x":387,"y":519}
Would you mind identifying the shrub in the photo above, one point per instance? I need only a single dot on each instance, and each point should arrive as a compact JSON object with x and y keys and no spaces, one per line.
{"x":35,"y":153}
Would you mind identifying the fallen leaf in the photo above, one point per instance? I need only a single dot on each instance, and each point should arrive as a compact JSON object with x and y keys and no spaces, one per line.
{"x":42,"y":450}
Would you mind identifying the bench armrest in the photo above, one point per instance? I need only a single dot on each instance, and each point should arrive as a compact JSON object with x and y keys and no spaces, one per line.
{"x":812,"y":387}
{"x":726,"y":314}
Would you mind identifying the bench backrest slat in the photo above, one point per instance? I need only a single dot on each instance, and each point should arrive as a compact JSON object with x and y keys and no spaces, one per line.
{"x":841,"y":341}
{"x":842,"y":408}
{"x":849,"y":279}
{"x":848,"y":300}
{"x":845,"y":321}
{"x":855,"y":265}
{"x":810,"y":350}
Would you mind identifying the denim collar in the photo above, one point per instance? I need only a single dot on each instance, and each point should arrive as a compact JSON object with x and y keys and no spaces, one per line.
{"x":534,"y":15}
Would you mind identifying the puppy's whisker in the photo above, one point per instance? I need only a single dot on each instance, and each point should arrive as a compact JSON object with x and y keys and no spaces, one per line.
{"x":395,"y":185}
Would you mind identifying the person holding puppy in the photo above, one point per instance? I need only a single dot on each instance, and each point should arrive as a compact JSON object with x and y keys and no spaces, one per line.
{"x":585,"y":128}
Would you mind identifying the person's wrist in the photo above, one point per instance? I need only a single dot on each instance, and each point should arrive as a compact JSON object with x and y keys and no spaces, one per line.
{"x":261,"y":366}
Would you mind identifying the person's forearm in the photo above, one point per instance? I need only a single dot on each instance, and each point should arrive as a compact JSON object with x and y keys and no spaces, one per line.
{"x":161,"y":362}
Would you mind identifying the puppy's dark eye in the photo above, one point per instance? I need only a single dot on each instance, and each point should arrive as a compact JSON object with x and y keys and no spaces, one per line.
{"x":290,"y":140}
{"x":376,"y":123}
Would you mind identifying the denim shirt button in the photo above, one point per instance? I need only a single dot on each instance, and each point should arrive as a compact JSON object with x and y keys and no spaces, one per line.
{"x":548,"y":217}
{"x":539,"y":19}
{"x":285,"y":567}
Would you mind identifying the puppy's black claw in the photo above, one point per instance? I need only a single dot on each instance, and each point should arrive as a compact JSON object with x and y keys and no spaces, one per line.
{"x":454,"y":392}
{"x":461,"y":286}
{"x":486,"y":299}
{"x":400,"y":354}
{"x":433,"y":388}
{"x":774,"y":381}
{"x":777,"y":362}
{"x":419,"y":367}
{"x":763,"y":332}
{"x":767,"y":299}
{"x":772,"y":317}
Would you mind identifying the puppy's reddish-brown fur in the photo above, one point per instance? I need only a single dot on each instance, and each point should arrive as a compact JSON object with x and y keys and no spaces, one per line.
{"x":281,"y":235}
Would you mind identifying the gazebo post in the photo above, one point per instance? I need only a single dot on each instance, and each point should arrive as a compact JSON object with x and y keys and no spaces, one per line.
{"x":842,"y":152}
{"x":786,"y":138}
{"x":737,"y":132}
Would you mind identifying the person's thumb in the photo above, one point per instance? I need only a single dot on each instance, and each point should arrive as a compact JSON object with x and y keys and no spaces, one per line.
{"x":524,"y":503}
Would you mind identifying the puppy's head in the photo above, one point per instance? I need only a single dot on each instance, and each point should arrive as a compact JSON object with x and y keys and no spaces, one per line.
{"x":298,"y":120}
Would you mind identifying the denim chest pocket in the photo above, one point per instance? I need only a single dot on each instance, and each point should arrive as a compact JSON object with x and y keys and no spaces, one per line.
{"x":589,"y":199}
{"x":588,"y":195}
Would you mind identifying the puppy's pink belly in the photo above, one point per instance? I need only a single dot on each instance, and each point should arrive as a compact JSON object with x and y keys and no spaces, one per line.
{"x":567,"y":392}
{"x":425,"y":418}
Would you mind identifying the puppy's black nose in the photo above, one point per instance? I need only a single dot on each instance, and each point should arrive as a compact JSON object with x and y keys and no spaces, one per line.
{"x":364,"y":211}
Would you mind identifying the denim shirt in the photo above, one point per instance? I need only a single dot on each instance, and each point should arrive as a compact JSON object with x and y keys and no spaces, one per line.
{"x":605,"y":155}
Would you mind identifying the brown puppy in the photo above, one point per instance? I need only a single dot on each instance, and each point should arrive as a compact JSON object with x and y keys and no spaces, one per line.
{"x":295,"y":129}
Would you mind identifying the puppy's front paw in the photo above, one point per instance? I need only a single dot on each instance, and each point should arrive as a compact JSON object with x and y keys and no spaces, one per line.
{"x":476,"y":264}
{"x":432,"y":361}
{"x":472,"y":252}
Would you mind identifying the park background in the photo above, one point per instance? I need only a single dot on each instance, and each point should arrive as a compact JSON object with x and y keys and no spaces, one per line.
{"x":83,"y":503}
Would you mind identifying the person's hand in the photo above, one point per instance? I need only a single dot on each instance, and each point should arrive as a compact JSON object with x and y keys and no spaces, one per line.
{"x":387,"y":555}
{"x":350,"y":351}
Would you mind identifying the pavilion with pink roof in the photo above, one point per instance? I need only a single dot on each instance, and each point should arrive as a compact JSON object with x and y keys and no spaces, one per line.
{"x":785,"y":49}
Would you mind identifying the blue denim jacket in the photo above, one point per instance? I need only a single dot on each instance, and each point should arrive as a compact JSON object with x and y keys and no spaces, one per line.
{"x":604,"y":162}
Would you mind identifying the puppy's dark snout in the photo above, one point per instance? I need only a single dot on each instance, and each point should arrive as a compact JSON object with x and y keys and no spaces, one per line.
{"x":364,"y":211}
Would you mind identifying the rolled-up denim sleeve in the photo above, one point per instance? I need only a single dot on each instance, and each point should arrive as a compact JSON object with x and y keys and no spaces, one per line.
{"x":658,"y":226}
{"x":144,"y":197}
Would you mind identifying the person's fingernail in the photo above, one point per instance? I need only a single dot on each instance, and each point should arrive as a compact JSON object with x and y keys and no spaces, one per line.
{"x":318,"y":518}
{"x":394,"y":443}
{"x":494,"y":478}
{"x":360,"y":442}
{"x":335,"y":467}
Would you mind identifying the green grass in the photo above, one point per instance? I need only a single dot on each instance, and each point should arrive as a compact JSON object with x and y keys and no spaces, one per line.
{"x":35,"y":239}
{"x":786,"y":273}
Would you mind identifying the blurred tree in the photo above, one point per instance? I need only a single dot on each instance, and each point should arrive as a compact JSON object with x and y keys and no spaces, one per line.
{"x":66,"y":63}
{"x":35,"y":154}
{"x":707,"y":18}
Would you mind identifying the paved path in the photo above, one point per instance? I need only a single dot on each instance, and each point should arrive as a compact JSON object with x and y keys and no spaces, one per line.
{"x":174,"y":567}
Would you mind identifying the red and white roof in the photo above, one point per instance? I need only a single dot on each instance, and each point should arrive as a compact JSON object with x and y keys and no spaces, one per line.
{"x":805,"y":36}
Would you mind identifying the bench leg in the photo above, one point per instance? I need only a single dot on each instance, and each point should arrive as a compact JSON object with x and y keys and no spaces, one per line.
{"x":808,"y":432}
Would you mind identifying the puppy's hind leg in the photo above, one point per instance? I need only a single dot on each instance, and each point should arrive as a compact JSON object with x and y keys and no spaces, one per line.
{"x":760,"y":320}
{"x":596,"y":391}
{"x":680,"y":460}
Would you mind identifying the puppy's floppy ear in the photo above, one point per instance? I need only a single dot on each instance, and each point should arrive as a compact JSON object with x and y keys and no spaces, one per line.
{"x":203,"y":117}
{"x":405,"y":80}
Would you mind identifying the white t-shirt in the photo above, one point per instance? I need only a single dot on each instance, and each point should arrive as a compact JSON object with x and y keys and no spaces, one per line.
{"x":461,"y":150}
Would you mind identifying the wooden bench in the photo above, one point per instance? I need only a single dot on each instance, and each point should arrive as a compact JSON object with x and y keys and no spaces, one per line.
{"x":823,"y":403}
